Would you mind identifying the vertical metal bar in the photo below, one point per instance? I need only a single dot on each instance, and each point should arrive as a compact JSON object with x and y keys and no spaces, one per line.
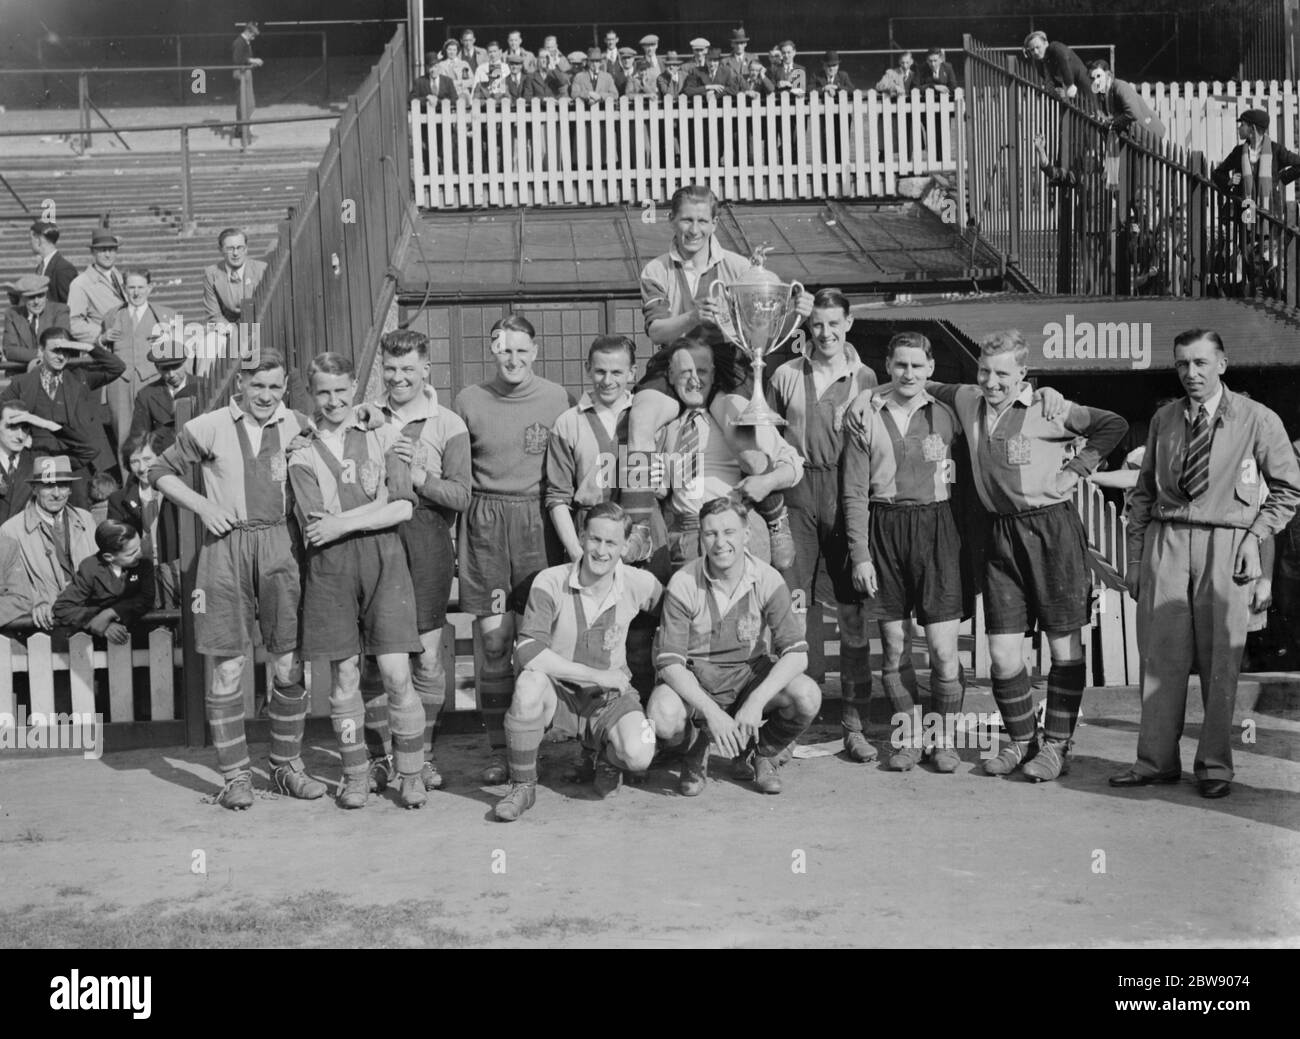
{"x":180,"y":72}
{"x":325,"y":69}
{"x":83,"y":109}
{"x":1013,"y":165}
{"x":187,"y":196}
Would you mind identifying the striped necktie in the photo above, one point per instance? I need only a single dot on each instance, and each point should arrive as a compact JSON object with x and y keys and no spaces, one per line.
{"x":1195,"y":480}
{"x":688,"y":444}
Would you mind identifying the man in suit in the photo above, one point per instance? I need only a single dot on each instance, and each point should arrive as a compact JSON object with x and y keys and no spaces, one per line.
{"x":25,"y":322}
{"x":96,"y":290}
{"x":52,"y":263}
{"x":1119,"y":105}
{"x":515,"y":45}
{"x":671,"y":81}
{"x":472,"y":55}
{"x":650,"y":52}
{"x":832,"y":79}
{"x":1062,"y":68}
{"x":155,"y":404}
{"x":528,"y":85}
{"x":16,"y":425}
{"x":738,"y":61}
{"x":624,"y":69}
{"x":713,"y":80}
{"x":241,"y":53}
{"x":227,"y":284}
{"x":790,"y":77}
{"x":433,"y":84}
{"x":42,"y":546}
{"x":938,"y":74}
{"x":1218,"y":478}
{"x":52,"y":391}
{"x":593,"y":83}
{"x":130,"y":331}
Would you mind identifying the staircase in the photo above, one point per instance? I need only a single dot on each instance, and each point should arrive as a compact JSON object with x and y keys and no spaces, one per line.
{"x":140,"y":196}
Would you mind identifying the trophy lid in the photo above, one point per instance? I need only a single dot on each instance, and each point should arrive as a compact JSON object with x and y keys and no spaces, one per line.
{"x":758,"y":274}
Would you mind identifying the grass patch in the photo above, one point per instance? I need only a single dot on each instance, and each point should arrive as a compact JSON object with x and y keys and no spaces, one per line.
{"x":314,"y":919}
{"x":556,"y":926}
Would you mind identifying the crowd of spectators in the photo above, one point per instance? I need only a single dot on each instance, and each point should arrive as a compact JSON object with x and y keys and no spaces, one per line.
{"x":90,"y":375}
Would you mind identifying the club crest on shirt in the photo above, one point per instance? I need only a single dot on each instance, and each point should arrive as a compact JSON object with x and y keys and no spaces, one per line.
{"x":613,"y":638}
{"x":1019,"y":450}
{"x":933,"y":449}
{"x":536,"y":437}
{"x":420,"y":453}
{"x":279,"y":467}
{"x":748,"y":627}
{"x":371,"y":473}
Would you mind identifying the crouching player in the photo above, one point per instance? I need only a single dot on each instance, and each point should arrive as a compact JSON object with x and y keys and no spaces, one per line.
{"x":902,"y":537}
{"x":351,"y":492}
{"x":717,"y":681}
{"x":573,"y":646}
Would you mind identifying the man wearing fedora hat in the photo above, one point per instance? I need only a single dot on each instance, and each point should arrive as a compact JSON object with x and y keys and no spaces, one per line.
{"x":434,"y":84}
{"x":241,"y":53}
{"x":41,"y":547}
{"x":67,"y":397}
{"x":25,"y":322}
{"x":671,"y":80}
{"x":832,"y":79}
{"x":738,"y":61}
{"x":16,"y":425}
{"x":52,"y":263}
{"x":96,"y":290}
{"x":593,"y":83}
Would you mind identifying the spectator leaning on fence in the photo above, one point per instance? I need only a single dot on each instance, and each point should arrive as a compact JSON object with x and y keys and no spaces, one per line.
{"x":433,"y":84}
{"x":52,"y":263}
{"x":713,"y":80}
{"x":593,"y":83}
{"x":789,"y":76}
{"x":1119,"y":105}
{"x":832,"y":79}
{"x":650,"y":52}
{"x":672,"y":80}
{"x":756,"y":83}
{"x":700,"y":50}
{"x":937,"y":73}
{"x":25,"y":321}
{"x":899,"y":80}
{"x":112,"y":589}
{"x":1063,"y":68}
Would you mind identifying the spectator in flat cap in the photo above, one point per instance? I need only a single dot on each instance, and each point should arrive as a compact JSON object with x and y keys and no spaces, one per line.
{"x":97,"y":289}
{"x":593,"y":83}
{"x":1255,"y":172}
{"x":433,"y":85}
{"x":1119,"y":105}
{"x":529,"y":85}
{"x":52,"y":263}
{"x":32,"y":315}
{"x":622,"y":68}
{"x":650,"y":52}
{"x":738,"y":61}
{"x":713,"y":80}
{"x":700,"y":49}
{"x":832,"y":79}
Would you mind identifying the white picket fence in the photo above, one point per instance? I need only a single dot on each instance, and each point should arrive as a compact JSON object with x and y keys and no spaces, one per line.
{"x":1203,"y":116}
{"x":634,"y":150}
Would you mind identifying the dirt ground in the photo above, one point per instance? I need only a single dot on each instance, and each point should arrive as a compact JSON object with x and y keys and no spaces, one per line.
{"x":104,"y":852}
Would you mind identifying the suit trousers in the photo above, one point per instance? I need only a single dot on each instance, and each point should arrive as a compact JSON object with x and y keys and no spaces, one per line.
{"x":1191,"y":616}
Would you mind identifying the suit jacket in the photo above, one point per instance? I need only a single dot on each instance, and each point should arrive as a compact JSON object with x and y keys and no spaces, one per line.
{"x":218,"y":300}
{"x":125,"y":505}
{"x":133,"y":348}
{"x":589,"y":89}
{"x":1125,"y":107}
{"x":61,"y":272}
{"x":90,"y":297}
{"x":534,"y":84}
{"x":1065,"y":69}
{"x":31,"y":573}
{"x":437,"y":88}
{"x":699,"y":79}
{"x":97,"y":588}
{"x":738,"y":66}
{"x":20,"y":342}
{"x":75,"y":406}
{"x":763,"y":86}
{"x":795,"y":79}
{"x":945,"y":77}
{"x":16,"y":487}
{"x":667,"y":88}
{"x":474,"y":58}
{"x":155,"y":408}
{"x":840,"y":82}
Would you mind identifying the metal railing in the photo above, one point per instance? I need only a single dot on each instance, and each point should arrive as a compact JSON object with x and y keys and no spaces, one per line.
{"x":1079,"y":208}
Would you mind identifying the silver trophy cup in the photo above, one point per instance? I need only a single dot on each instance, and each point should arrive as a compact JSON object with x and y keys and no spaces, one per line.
{"x":763,"y":317}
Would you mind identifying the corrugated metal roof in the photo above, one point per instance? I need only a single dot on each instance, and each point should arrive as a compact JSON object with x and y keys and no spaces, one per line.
{"x":567,"y":253}
{"x":1085,"y":334}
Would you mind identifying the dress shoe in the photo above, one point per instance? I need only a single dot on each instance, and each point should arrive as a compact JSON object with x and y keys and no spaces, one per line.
{"x":1131,"y":778}
{"x":1214,"y":787}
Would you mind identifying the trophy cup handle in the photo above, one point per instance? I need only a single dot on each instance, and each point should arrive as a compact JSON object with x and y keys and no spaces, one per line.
{"x":796,"y":290}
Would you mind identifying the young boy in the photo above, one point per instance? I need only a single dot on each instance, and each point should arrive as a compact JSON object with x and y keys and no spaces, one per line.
{"x":572,"y":647}
{"x":151,"y":514}
{"x":247,"y":570}
{"x":434,"y":443}
{"x":675,"y":298}
{"x":112,"y":590}
{"x":351,"y":491}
